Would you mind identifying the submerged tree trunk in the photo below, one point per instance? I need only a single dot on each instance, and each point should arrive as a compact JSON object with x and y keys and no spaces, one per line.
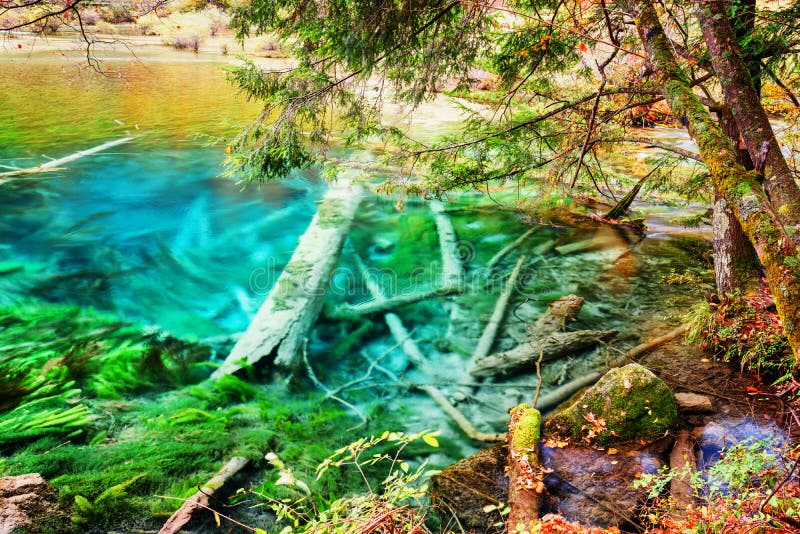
{"x":751,"y":119}
{"x":740,"y":188}
{"x":280,"y":328}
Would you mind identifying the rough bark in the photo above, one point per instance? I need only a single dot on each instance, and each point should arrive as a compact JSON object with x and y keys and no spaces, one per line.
{"x":735,"y":262}
{"x":751,"y":119}
{"x":525,"y":477}
{"x":201,"y":499}
{"x":560,"y":312}
{"x":549,"y":348}
{"x":280,"y":328}
{"x":740,"y":188}
{"x":682,"y":461}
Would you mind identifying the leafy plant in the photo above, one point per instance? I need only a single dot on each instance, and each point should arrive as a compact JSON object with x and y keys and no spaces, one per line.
{"x":392,"y":503}
{"x":751,"y":487}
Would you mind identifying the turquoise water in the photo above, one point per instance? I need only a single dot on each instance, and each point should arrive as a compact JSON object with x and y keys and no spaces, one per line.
{"x":146,"y":230}
{"x":150,"y":232}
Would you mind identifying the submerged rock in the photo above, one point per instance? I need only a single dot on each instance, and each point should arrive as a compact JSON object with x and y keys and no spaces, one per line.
{"x":26,"y":501}
{"x":584,"y":485}
{"x":594,"y":488}
{"x":462,"y":491}
{"x":628,"y":404}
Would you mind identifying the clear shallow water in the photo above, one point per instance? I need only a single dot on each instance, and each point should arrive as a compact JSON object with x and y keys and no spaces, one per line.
{"x":146,"y":229}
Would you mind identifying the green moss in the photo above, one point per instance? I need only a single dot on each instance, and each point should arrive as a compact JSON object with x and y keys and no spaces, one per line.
{"x":526,"y":433}
{"x":628,"y":404}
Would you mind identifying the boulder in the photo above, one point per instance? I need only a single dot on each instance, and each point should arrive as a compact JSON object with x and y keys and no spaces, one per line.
{"x":629,"y":404}
{"x":26,"y":502}
{"x":463,"y":490}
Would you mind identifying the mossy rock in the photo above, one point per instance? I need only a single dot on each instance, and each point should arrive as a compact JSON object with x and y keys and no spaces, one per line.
{"x":628,"y":404}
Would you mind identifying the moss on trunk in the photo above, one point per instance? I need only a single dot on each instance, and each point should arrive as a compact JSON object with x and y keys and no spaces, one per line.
{"x":740,"y":188}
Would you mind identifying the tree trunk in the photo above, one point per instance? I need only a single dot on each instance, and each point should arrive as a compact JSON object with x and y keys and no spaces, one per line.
{"x":740,"y":188}
{"x":751,"y":119}
{"x":736,"y":265}
{"x":525,"y":474}
{"x":281,"y":326}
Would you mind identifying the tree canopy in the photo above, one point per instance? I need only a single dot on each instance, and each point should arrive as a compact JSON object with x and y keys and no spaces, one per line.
{"x":568,"y":79}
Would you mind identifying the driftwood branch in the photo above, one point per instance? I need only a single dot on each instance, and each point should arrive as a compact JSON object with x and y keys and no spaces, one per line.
{"x":200,"y":500}
{"x":55,"y":164}
{"x":416,"y":357}
{"x":650,"y":344}
{"x":510,"y":247}
{"x":560,"y":313}
{"x":549,"y":348}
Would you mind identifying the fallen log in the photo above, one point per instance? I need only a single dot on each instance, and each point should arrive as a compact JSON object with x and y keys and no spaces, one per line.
{"x":683,"y":463}
{"x":549,"y":348}
{"x":452,"y":269}
{"x":281,"y":326}
{"x":55,"y":164}
{"x":525,"y":475}
{"x":451,"y":282}
{"x":490,"y":332}
{"x":650,"y":344}
{"x":200,"y":500}
{"x":558,"y":315}
{"x":503,"y":252}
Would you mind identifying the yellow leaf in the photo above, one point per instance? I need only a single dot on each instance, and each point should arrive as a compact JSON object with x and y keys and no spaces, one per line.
{"x":612,"y":450}
{"x":216,"y":519}
{"x":431,"y":440}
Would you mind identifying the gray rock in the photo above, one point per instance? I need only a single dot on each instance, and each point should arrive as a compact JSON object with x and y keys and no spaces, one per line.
{"x":694,"y":403}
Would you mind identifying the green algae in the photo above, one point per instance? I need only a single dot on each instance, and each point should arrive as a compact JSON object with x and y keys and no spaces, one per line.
{"x":136,"y":431}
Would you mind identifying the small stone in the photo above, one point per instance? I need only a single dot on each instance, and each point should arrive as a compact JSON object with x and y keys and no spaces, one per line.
{"x":694,"y":403}
{"x":458,"y":396}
